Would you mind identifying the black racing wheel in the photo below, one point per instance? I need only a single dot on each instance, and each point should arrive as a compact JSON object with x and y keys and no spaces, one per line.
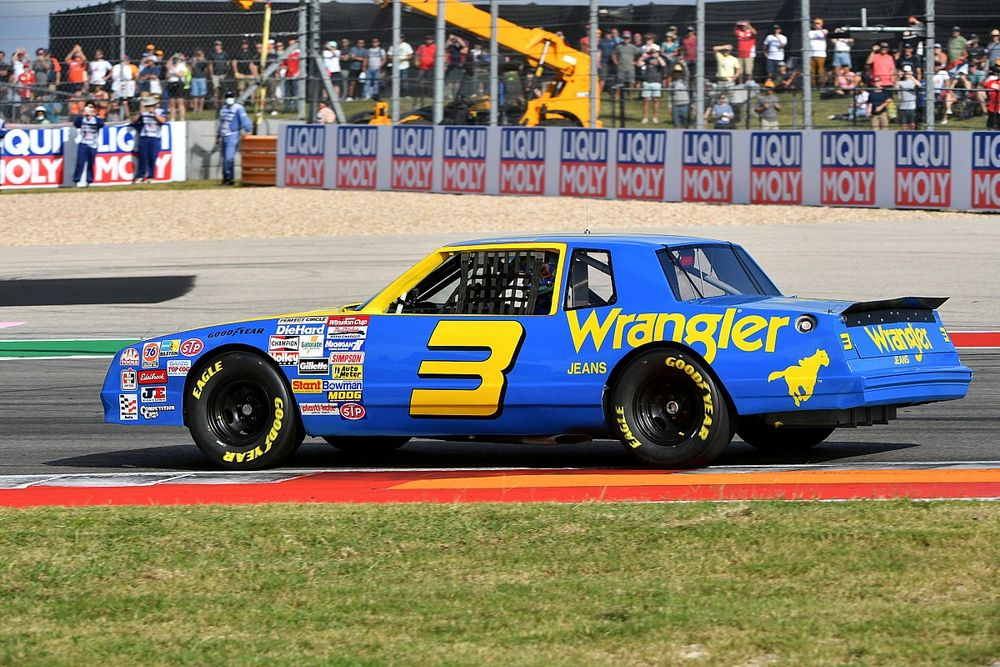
{"x":241,"y":413}
{"x":754,"y":432}
{"x":668,"y":411}
{"x":366,"y":444}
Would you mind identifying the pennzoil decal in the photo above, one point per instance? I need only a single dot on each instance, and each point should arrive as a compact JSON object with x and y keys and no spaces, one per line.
{"x":706,"y":332}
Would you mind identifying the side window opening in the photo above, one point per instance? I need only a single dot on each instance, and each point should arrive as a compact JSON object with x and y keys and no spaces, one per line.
{"x":698,"y":272}
{"x":485,"y":282}
{"x":591,"y":281}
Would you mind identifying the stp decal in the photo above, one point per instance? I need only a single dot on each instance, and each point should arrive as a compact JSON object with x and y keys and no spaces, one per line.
{"x":412,"y":157}
{"x":522,"y":161}
{"x":641,"y":165}
{"x":923,"y":169}
{"x":776,"y":168}
{"x":352,"y":411}
{"x":357,"y":150}
{"x":464,"y":164}
{"x":304,"y":161}
{"x":192,"y":347}
{"x":707,"y":167}
{"x":847,"y":168}
{"x":583,"y":162}
{"x":986,"y":170}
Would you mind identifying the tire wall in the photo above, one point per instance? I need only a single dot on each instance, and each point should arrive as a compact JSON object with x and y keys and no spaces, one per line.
{"x":858,"y":168}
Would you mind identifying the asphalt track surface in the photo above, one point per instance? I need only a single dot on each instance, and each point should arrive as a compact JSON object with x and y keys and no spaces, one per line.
{"x":50,"y":414}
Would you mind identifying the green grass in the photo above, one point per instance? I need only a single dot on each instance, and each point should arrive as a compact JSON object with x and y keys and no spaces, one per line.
{"x":876,"y":583}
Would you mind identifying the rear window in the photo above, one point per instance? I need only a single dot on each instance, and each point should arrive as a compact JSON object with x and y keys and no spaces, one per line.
{"x":702,"y":271}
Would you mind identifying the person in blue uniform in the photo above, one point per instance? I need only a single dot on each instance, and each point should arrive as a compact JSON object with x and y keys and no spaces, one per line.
{"x":148,"y":124}
{"x":233,"y":122}
{"x":88,"y":128}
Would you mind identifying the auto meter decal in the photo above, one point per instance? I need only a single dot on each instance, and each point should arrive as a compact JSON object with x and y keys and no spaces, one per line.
{"x":412,"y":157}
{"x":776,"y":168}
{"x":641,"y":170}
{"x":707,"y":167}
{"x":522,"y":161}
{"x":923,"y":169}
{"x":847,"y":168}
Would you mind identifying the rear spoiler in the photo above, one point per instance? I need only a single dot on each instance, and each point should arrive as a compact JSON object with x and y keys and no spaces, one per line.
{"x":885,"y":311}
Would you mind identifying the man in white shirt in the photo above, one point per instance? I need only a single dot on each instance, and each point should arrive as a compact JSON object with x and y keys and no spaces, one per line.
{"x":99,"y":69}
{"x":405,"y":59}
{"x":774,"y":48}
{"x":817,"y":53}
{"x":331,"y":61}
{"x":122,"y":85}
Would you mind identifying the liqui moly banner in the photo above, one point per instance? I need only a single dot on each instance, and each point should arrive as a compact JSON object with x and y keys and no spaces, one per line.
{"x":641,"y":164}
{"x":304,"y":159}
{"x":923,"y":169}
{"x":357,"y":152}
{"x":847,"y":168}
{"x":986,"y":170}
{"x":464,"y":159}
{"x":33,"y":157}
{"x":707,"y":167}
{"x":115,"y":162}
{"x":583,"y":163}
{"x":412,"y":157}
{"x":776,"y":168}
{"x":522,"y":161}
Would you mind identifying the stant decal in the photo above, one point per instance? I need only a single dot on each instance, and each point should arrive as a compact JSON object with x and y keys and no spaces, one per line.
{"x":640,"y":171}
{"x":522,"y":161}
{"x":412,"y":157}
{"x":847,"y":168}
{"x":583,"y":162}
{"x":775,"y":168}
{"x":357,"y":150}
{"x":986,"y":170}
{"x":463,"y":168}
{"x":32,"y":157}
{"x":304,"y":156}
{"x":707,"y":167}
{"x":923,"y":169}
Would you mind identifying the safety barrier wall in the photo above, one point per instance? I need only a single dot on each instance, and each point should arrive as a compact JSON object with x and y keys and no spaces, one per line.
{"x":926,"y":170}
{"x":44,"y":157}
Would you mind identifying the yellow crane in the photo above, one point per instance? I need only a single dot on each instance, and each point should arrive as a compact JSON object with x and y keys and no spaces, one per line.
{"x":565,"y":100}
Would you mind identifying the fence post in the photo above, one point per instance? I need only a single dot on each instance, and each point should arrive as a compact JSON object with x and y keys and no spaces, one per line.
{"x":807,"y":103}
{"x":307,"y":47}
{"x":396,"y":34}
{"x":595,"y":88}
{"x":121,"y":30}
{"x":439,"y":46}
{"x":929,"y":65}
{"x":699,"y":78}
{"x":494,"y":65}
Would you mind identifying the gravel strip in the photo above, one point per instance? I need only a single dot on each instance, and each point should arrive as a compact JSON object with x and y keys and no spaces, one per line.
{"x":260,"y":213}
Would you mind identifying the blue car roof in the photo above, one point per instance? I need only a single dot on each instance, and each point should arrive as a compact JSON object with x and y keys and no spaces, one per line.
{"x":648,"y":240}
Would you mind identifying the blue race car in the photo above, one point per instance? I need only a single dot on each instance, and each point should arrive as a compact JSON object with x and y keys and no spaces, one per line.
{"x":670,"y":344}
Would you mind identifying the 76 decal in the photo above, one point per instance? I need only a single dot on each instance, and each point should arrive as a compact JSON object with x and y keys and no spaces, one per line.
{"x":501,"y":339}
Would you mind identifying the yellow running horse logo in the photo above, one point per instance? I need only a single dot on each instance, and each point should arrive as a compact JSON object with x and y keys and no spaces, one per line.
{"x":801,"y":378}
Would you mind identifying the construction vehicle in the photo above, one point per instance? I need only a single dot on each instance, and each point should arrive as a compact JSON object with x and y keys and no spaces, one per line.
{"x":564,"y":100}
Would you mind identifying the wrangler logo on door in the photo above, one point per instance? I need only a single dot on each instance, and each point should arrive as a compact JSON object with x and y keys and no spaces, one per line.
{"x":500,"y":340}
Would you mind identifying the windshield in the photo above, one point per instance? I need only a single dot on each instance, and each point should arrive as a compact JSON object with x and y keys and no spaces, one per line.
{"x":701,"y":271}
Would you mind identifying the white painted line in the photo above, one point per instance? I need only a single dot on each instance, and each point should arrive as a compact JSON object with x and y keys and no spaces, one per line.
{"x":7,"y":325}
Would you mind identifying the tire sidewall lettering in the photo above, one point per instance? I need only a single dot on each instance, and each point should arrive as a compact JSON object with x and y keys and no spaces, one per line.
{"x":701,"y":382}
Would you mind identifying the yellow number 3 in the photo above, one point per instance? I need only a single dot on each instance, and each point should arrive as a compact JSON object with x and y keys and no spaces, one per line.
{"x":502,"y":339}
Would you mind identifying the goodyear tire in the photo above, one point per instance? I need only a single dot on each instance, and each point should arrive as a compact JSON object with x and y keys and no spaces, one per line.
{"x":756,"y":433}
{"x":366,"y":445}
{"x":668,"y":410}
{"x":241,"y":413}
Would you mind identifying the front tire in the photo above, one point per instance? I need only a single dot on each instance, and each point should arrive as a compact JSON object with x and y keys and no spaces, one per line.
{"x":756,"y":433}
{"x":241,"y":413}
{"x":668,"y":411}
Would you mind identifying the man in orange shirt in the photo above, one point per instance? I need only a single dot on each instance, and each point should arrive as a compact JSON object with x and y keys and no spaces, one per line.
{"x":76,"y":70}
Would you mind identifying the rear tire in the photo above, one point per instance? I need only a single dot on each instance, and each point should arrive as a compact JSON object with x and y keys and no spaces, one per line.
{"x":668,"y":411}
{"x":241,"y":413}
{"x":754,"y":432}
{"x":367,"y":444}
